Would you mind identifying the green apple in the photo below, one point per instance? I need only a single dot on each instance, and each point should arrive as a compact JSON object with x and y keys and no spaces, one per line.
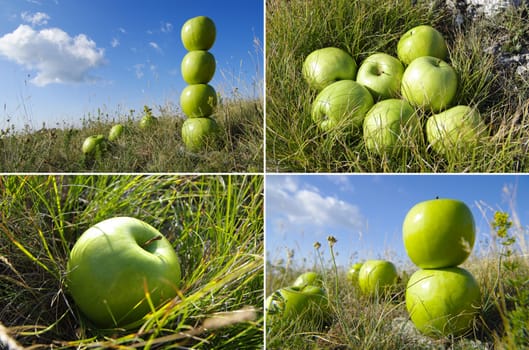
{"x":443,"y":302}
{"x":381,"y":74}
{"x":439,"y":233}
{"x":421,"y":41}
{"x":344,"y":102}
{"x":308,"y":278}
{"x":197,"y":133}
{"x":115,"y":132}
{"x":384,"y":125}
{"x":429,"y":83}
{"x":293,"y":302}
{"x":326,"y":66}
{"x":93,"y":143}
{"x":198,"y":67}
{"x":352,"y":274}
{"x":377,"y":276}
{"x":115,"y":265}
{"x":198,"y":100}
{"x":456,"y":129}
{"x":147,"y":122}
{"x":198,"y":33}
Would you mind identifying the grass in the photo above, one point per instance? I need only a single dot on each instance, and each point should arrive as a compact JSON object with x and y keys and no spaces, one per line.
{"x":214,"y":223}
{"x":158,"y":149}
{"x":362,"y":27}
{"x":360,"y":322}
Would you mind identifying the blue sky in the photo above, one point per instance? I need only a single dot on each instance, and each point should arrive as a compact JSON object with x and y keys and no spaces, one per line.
{"x":63,"y":59}
{"x":365,"y":212}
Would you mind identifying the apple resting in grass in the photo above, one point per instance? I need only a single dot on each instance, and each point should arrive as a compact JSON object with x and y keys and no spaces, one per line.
{"x":429,"y":83}
{"x":439,"y":233}
{"x":325,"y":66}
{"x":344,"y":103}
{"x":352,"y":274}
{"x":381,"y":74}
{"x":198,"y":33}
{"x":292,"y":302}
{"x":457,"y":129}
{"x":115,"y":132}
{"x":92,"y":143}
{"x":377,"y":276}
{"x":308,"y":278}
{"x":198,"y":67}
{"x":197,"y":133}
{"x":114,"y":264}
{"x":384,"y":123}
{"x":421,"y":41}
{"x":198,"y":100}
{"x":147,"y":122}
{"x":443,"y":302}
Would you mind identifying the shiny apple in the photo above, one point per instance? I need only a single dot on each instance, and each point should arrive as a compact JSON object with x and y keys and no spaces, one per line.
{"x":384,"y":125}
{"x":343,"y":103}
{"x":326,"y":66}
{"x":198,"y":133}
{"x":308,"y":278}
{"x":421,"y":41}
{"x":457,"y":129}
{"x":198,"y":100}
{"x":114,"y":265}
{"x":381,"y":74}
{"x":377,"y":277}
{"x":115,"y":132}
{"x":294,"y":302}
{"x":198,"y":67}
{"x":198,"y":33}
{"x":439,"y":233}
{"x":443,"y":302}
{"x":352,"y":273}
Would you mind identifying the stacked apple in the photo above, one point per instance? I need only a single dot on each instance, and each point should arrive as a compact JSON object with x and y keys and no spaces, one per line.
{"x":304,"y":298}
{"x":198,"y":99}
{"x":441,"y":298}
{"x":373,"y":103}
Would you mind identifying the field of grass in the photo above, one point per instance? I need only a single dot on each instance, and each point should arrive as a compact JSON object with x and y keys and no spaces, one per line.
{"x":215,"y":224}
{"x":158,"y":149}
{"x":357,"y":321}
{"x":362,"y":27}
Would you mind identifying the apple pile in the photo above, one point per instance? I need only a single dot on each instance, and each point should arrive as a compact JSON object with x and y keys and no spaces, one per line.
{"x":441,"y":298}
{"x":199,"y":98}
{"x":118,"y":269}
{"x":383,"y":99}
{"x":304,"y":298}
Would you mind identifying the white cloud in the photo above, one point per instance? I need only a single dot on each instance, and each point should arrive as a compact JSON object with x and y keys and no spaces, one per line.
{"x":166,"y":27}
{"x":138,"y":70}
{"x":122,"y":30}
{"x":155,"y":46}
{"x":300,"y":205}
{"x":36,"y":19}
{"x":342,"y":182}
{"x":115,"y":42}
{"x":54,"y":54}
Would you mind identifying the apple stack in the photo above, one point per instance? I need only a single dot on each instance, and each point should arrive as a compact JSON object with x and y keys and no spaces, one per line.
{"x":199,"y":98}
{"x":442,"y":299}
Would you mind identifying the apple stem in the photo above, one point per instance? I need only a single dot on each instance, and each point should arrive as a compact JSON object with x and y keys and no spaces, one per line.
{"x":157,"y":238}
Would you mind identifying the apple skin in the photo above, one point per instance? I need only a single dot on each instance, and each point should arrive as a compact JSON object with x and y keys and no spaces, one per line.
{"x":456,"y":129}
{"x":115,"y":132}
{"x":308,"y":278}
{"x":381,"y":74}
{"x":421,"y":41}
{"x":443,"y":302}
{"x":293,"y":302}
{"x":109,"y":269}
{"x":385,"y":121}
{"x":352,"y":274}
{"x":198,"y":33}
{"x":328,"y":65}
{"x":199,"y":132}
{"x":198,"y":67}
{"x":93,"y":143}
{"x":430,"y":83}
{"x":342,"y":102}
{"x":376,"y":276}
{"x":439,"y":233}
{"x":198,"y":100}
{"x":147,"y":122}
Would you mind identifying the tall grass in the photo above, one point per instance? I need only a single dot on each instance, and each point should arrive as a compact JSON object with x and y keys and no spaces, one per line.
{"x":362,"y":27}
{"x":214,"y":223}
